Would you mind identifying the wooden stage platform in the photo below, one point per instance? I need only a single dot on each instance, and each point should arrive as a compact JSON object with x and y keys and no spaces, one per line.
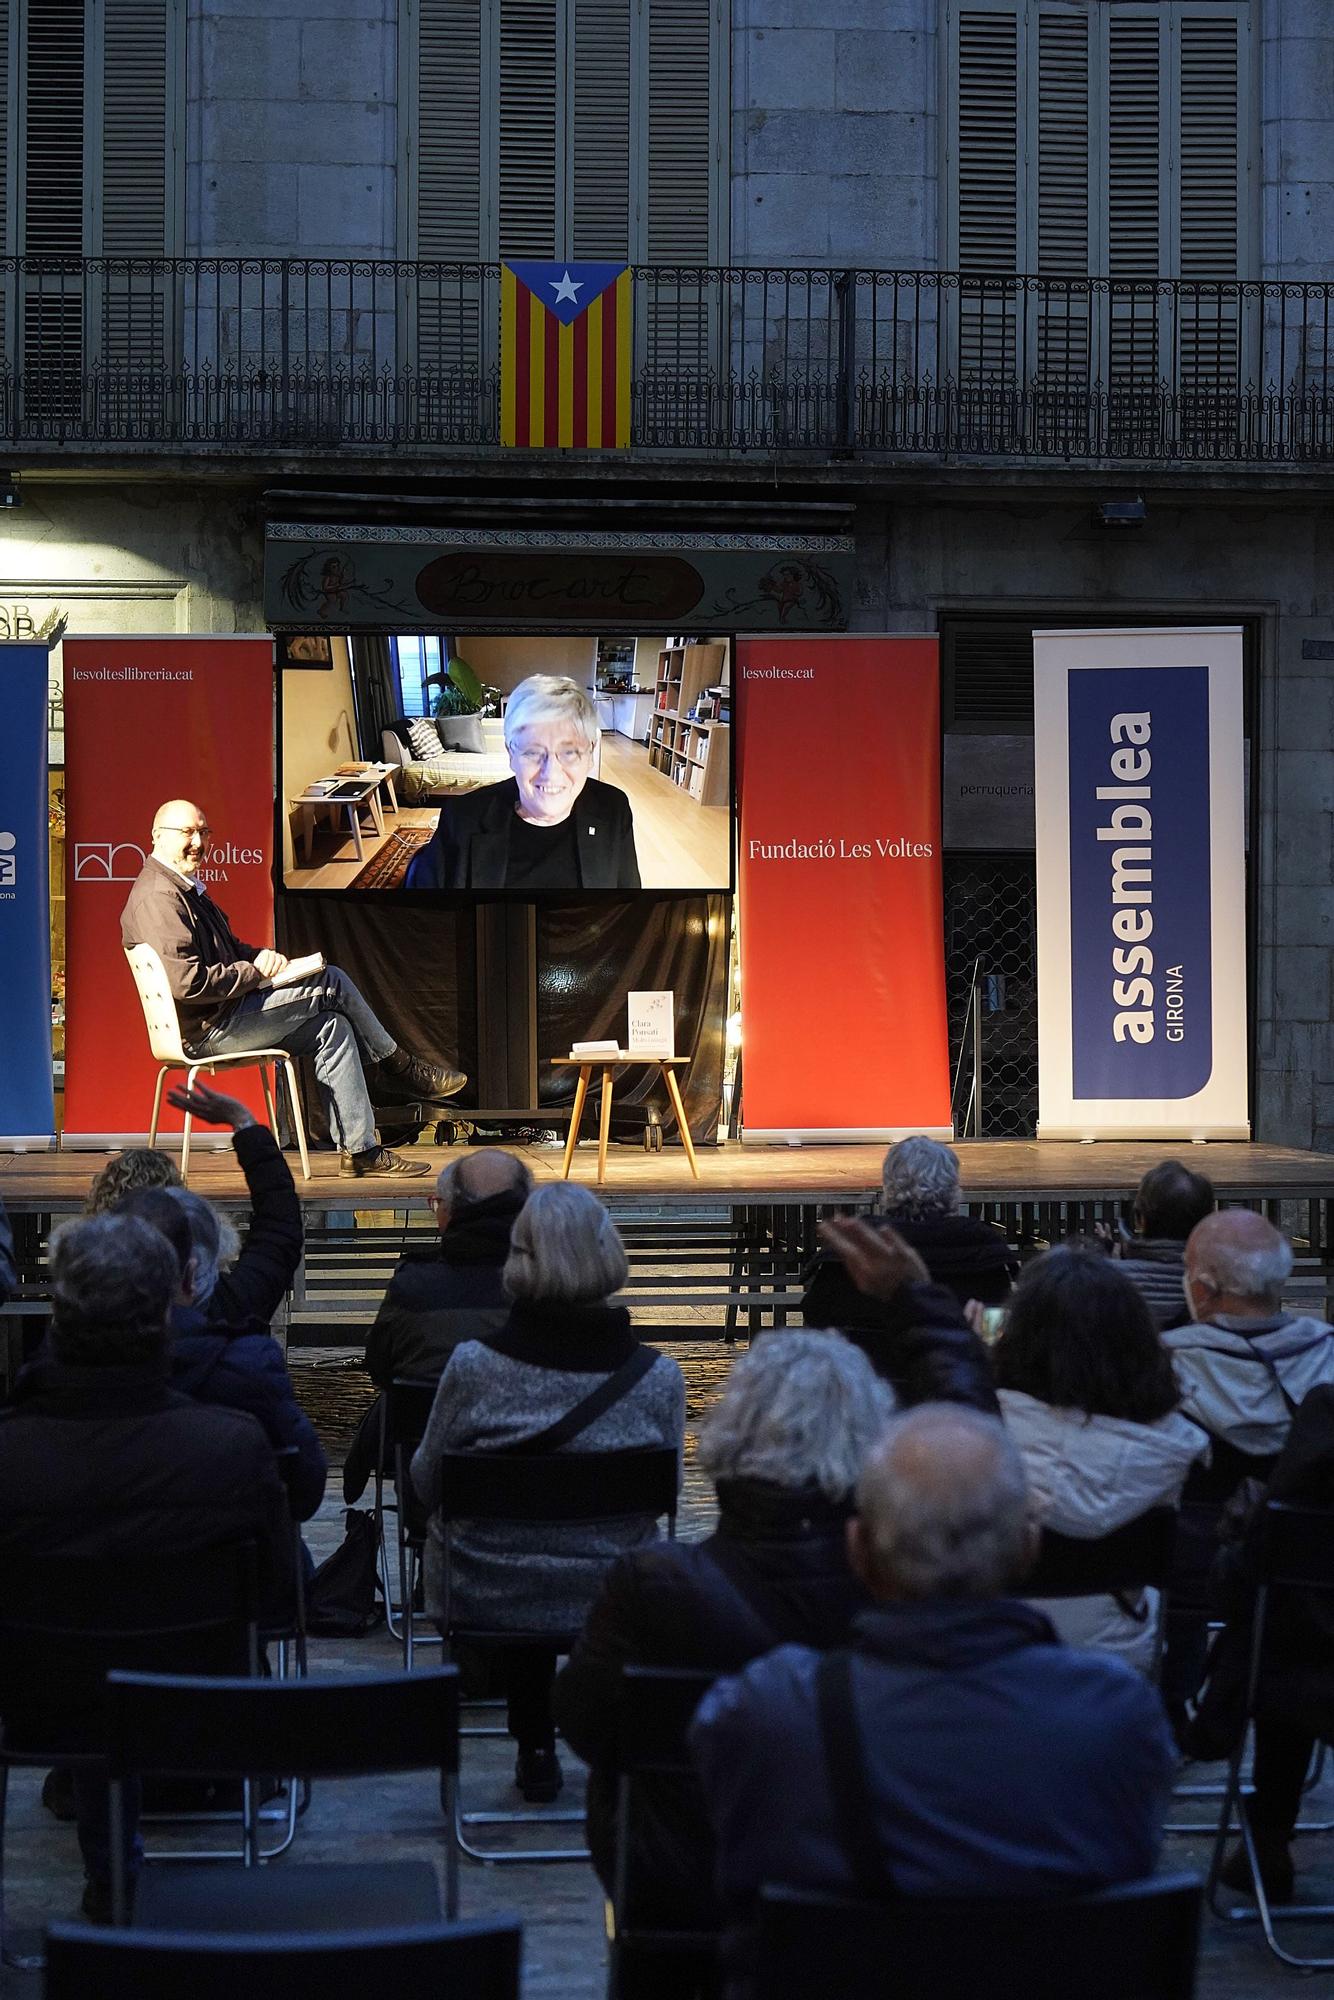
{"x":1006,"y":1173}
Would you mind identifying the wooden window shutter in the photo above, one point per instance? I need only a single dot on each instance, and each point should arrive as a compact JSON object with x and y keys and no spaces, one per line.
{"x":599,"y":135}
{"x":6,"y":206}
{"x":988,"y":155}
{"x":529,"y":190}
{"x":135,"y":181}
{"x":449,"y":176}
{"x":1135,"y":204}
{"x":680,"y":135}
{"x":1061,"y":220}
{"x":1207,"y":195}
{"x":55,"y":122}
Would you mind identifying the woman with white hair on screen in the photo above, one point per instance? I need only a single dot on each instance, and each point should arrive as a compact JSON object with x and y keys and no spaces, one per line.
{"x":552,"y":825}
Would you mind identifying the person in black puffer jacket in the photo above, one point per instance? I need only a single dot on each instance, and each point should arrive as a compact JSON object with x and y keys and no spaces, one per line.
{"x":238,"y":1365}
{"x":967,"y":1257}
{"x":784,"y":1447}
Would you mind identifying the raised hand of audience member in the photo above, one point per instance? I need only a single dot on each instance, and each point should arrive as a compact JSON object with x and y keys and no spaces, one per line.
{"x":211,"y":1106}
{"x":876,"y":1257}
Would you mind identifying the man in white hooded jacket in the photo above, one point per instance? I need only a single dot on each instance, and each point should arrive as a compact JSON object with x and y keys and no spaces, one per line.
{"x":1244,"y":1364}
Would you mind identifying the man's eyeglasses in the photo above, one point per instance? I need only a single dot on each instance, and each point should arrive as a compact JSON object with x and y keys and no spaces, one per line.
{"x":204,"y":832}
{"x":569,"y":759}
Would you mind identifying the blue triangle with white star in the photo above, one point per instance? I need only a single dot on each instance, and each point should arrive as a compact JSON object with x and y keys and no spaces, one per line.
{"x":566,"y":289}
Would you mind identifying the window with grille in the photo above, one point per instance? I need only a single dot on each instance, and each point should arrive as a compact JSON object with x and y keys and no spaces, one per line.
{"x":562,"y":128}
{"x":1105,"y":141}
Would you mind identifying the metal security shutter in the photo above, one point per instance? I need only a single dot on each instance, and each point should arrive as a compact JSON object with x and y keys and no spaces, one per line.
{"x":531,"y":114}
{"x":599,"y":129}
{"x":987,"y":676}
{"x":445,"y":146}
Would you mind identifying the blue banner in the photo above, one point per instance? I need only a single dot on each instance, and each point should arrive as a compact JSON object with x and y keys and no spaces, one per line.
{"x":27,"y":1111}
{"x":1141,"y":1011}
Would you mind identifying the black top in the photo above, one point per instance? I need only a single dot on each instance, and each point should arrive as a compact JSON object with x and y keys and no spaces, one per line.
{"x":470,"y":848}
{"x":542,"y":857}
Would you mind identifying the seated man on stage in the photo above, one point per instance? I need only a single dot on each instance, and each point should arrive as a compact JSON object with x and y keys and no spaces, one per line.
{"x":227,"y":1003}
{"x":552,"y":825}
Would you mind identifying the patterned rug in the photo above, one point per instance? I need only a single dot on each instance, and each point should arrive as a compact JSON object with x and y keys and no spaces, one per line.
{"x":386,"y":869}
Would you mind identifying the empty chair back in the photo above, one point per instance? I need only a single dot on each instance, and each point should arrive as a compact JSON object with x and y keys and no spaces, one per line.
{"x":407,"y":1411}
{"x":1134,"y":1557}
{"x":319,"y":1728}
{"x":1135,"y":1942}
{"x":155,"y":997}
{"x":466,"y":1961}
{"x":559,"y":1486}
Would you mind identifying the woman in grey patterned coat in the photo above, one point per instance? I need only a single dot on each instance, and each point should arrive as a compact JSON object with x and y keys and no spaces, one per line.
{"x":561,"y":1340}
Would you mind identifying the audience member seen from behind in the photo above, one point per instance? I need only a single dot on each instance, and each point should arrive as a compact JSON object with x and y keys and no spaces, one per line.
{"x":995,"y":1761}
{"x":783,"y":1447}
{"x":560,"y":1343}
{"x":1297,"y":1665}
{"x":1243,"y":1363}
{"x":103,"y":1461}
{"x":922,"y":1198}
{"x":444,"y":1295}
{"x":1169,"y":1201}
{"x":1089,"y":1398}
{"x":125,"y":1173}
{"x":239,"y":1366}
{"x":921,"y":1342}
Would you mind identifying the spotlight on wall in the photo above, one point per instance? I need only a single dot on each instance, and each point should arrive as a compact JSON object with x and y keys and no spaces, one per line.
{"x":1122,"y":513}
{"x":9,"y":491}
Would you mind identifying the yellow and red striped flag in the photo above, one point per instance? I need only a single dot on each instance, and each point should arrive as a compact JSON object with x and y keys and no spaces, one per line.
{"x":565,"y":354}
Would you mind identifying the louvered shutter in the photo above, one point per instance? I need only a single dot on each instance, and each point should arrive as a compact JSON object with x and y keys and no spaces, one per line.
{"x":679,"y":314}
{"x":599,"y":132}
{"x":988,"y":190}
{"x":1062,"y":204}
{"x":135,"y":183}
{"x":52,"y":223}
{"x":1136,"y":160}
{"x":1208,"y":217}
{"x":449,"y":183}
{"x":6,"y":29}
{"x":530,"y":119}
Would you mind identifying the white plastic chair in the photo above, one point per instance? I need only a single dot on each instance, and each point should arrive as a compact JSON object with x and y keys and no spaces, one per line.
{"x":164,"y":1042}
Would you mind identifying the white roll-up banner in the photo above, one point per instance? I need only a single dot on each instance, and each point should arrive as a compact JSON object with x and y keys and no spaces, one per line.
{"x":1141,"y":901}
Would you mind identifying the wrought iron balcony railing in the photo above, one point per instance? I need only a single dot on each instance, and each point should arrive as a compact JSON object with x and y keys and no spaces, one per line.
{"x":261,"y":354}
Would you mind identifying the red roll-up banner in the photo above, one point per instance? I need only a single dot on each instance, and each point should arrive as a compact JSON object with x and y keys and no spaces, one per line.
{"x":148,"y":720}
{"x":842,"y":928}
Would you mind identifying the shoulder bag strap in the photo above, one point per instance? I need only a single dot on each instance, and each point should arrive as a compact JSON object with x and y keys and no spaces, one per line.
{"x":1274,"y":1375}
{"x":845,"y":1763}
{"x":589,"y":1408}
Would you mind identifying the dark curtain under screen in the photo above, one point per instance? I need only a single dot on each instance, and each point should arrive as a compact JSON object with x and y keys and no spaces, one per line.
{"x":416,"y":967}
{"x":373,"y":691}
{"x":590,"y":956}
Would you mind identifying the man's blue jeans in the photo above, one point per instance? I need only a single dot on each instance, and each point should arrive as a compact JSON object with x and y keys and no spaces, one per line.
{"x":325,"y":1018}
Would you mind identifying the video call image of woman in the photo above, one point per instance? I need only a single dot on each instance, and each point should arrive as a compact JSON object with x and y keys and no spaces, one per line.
{"x":552,"y":825}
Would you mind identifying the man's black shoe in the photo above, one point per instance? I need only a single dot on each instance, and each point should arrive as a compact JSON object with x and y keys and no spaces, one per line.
{"x":413,"y":1076}
{"x":379,"y":1160}
{"x":538,"y":1775}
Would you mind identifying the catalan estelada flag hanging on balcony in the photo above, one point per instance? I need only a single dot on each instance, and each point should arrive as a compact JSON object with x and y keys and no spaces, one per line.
{"x":565,"y":352}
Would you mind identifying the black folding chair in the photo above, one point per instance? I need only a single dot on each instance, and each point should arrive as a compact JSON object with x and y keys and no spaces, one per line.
{"x":654,"y":1707}
{"x":473,"y":1961}
{"x":65,"y":1621}
{"x":405,"y":1411}
{"x":193,"y":1727}
{"x":552,"y":1489}
{"x":1297,"y":1553}
{"x":1136,"y":1942}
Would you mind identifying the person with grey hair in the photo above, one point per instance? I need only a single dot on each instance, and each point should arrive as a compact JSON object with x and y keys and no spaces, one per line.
{"x":976,"y":1755}
{"x":560,"y":1345}
{"x":447,"y":1294}
{"x":103,"y":1461}
{"x":783,"y":1446}
{"x":553,"y":825}
{"x":1242,"y":1362}
{"x":968,"y":1257}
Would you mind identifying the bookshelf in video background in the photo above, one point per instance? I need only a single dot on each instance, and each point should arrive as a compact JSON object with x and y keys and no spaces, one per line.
{"x":693,"y":753}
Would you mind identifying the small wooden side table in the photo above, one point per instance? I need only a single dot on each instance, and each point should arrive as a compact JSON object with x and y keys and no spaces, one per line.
{"x":585,"y":1066}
